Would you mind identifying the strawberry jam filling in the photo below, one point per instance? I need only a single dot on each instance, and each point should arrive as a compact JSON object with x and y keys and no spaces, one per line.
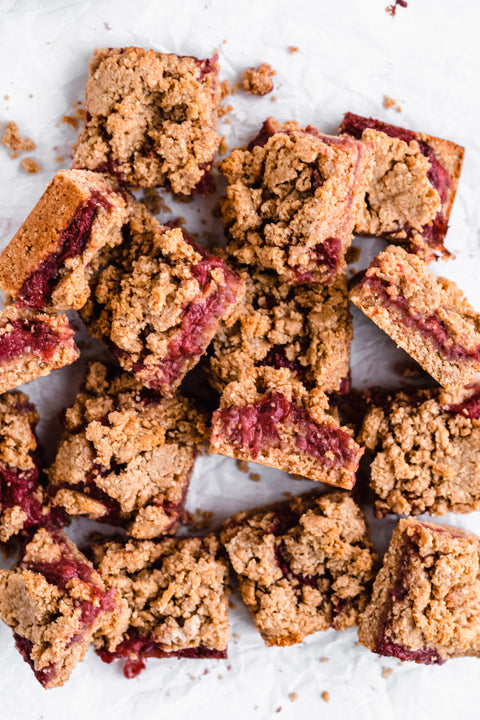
{"x":18,"y":489}
{"x":430,"y":326}
{"x":24,"y":647}
{"x":30,"y":337}
{"x":37,"y":288}
{"x":138,"y":647}
{"x":256,"y":427}
{"x":469,"y":407}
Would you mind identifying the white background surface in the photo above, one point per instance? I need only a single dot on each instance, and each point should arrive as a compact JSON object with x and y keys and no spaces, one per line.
{"x":351,"y":54}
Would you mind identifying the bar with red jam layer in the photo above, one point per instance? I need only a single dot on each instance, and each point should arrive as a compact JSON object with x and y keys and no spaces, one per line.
{"x":413,"y":186}
{"x":426,"y":316}
{"x":303,"y":565}
{"x":126,"y":455}
{"x":33,"y":344}
{"x":151,"y":119}
{"x":292,"y":200}
{"x":176,"y":592}
{"x":48,"y":262}
{"x":54,"y":602}
{"x":158,"y":301}
{"x":271,"y":419}
{"x":425,"y":604}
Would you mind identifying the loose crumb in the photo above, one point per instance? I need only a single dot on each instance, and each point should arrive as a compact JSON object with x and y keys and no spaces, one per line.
{"x":392,"y":9}
{"x":224,"y":110}
{"x":398,"y":108}
{"x":254,"y":476}
{"x":30,"y":166}
{"x":154,"y":202}
{"x":59,"y":158}
{"x":292,"y":49}
{"x":324,"y":659}
{"x":231,"y":605}
{"x":69,"y":120}
{"x":326,"y":696}
{"x":386,"y":672}
{"x":242,"y":465}
{"x":258,"y":81}
{"x":388,"y":102}
{"x":236,"y":88}
{"x":220,"y":677}
{"x":352,"y":254}
{"x":236,"y":635}
{"x":11,"y":139}
{"x":223,"y":147}
{"x":7,"y":97}
{"x":279,"y":709}
{"x":293,"y":697}
{"x":274,"y":98}
{"x":80,"y":114}
{"x":224,"y":89}
{"x":30,"y":95}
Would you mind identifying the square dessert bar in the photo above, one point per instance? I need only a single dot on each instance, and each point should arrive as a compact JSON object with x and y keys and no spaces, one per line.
{"x":425,"y":603}
{"x":292,"y":200}
{"x":126,"y":455}
{"x":47,"y":262}
{"x":54,"y":601}
{"x":269,"y":418}
{"x":426,"y":451}
{"x":151,"y":119}
{"x":305,"y":328}
{"x":23,"y":500}
{"x":33,"y":344}
{"x":302,"y":565}
{"x":411,"y":193}
{"x":158,"y":301}
{"x":428,"y":317}
{"x":176,"y":593}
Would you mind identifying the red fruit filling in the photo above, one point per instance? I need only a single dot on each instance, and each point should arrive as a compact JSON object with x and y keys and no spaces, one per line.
{"x":137,"y":648}
{"x":425,"y":656}
{"x":276,"y":358}
{"x":24,"y":647}
{"x":17,"y":489}
{"x":37,"y":288}
{"x":256,"y":427}
{"x":469,"y":407}
{"x":31,"y":337}
{"x":429,"y":326}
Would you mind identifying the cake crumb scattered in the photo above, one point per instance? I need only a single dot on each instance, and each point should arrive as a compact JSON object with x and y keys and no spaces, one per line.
{"x":7,"y":97}
{"x":274,"y":98}
{"x":324,"y":659}
{"x":70,"y":120}
{"x":80,"y":114}
{"x":293,"y":696}
{"x":231,"y":605}
{"x":224,"y":89}
{"x":352,"y":254}
{"x":236,"y":88}
{"x":223,"y":147}
{"x":236,"y":635}
{"x":59,"y":158}
{"x":12,"y":140}
{"x":392,"y":9}
{"x":386,"y":672}
{"x":279,"y":709}
{"x":258,"y":81}
{"x":326,"y":696}
{"x":30,"y":166}
{"x":242,"y":465}
{"x":388,"y":102}
{"x":224,"y":110}
{"x":292,"y":49}
{"x":219,"y":677}
{"x":30,"y":95}
{"x":154,"y":202}
{"x":254,"y":476}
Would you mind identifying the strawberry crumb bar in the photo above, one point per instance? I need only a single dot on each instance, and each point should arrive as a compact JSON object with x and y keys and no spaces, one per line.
{"x":270,"y":418}
{"x":303,"y":565}
{"x":158,"y":301}
{"x":151,"y":119}
{"x":425,"y":605}
{"x":47,"y":264}
{"x":426,"y":447}
{"x":33,"y":344}
{"x":126,"y":455}
{"x":54,"y":602}
{"x":292,"y":199}
{"x":428,"y":317}
{"x":176,"y":593}
{"x":23,"y":500}
{"x":305,"y":328}
{"x":413,"y":186}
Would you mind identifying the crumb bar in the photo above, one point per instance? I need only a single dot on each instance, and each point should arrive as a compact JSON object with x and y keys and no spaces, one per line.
{"x":54,"y":601}
{"x":47,"y":263}
{"x":270,"y":418}
{"x":126,"y":455}
{"x":426,"y":447}
{"x":151,"y":119}
{"x":305,"y":328}
{"x":413,"y":186}
{"x":23,"y":500}
{"x":33,"y":344}
{"x":425,"y":605}
{"x":158,"y":301}
{"x":303,"y":565}
{"x":292,"y":199}
{"x":428,"y":317}
{"x":176,"y":592}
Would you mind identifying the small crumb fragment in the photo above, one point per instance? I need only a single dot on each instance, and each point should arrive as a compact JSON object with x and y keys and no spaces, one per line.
{"x":258,"y":81}
{"x":224,"y":110}
{"x":386,"y":672}
{"x":153,"y":201}
{"x":398,"y":108}
{"x":254,"y":476}
{"x":388,"y":102}
{"x":292,"y":49}
{"x":392,"y":9}
{"x":287,"y":494}
{"x":223,"y":147}
{"x":324,"y":659}
{"x":293,"y":697}
{"x":7,"y":97}
{"x":274,"y":98}
{"x":224,"y":89}
{"x":279,"y":709}
{"x":326,"y":696}
{"x":227,"y":121}
{"x":59,"y":158}
{"x":352,"y":254}
{"x":206,"y":671}
{"x":11,"y":139}
{"x":220,"y":677}
{"x":242,"y":465}
{"x":236,"y":88}
{"x":231,"y":605}
{"x":80,"y":114}
{"x":236,"y":635}
{"x":30,"y":166}
{"x":70,"y":120}
{"x":30,"y":95}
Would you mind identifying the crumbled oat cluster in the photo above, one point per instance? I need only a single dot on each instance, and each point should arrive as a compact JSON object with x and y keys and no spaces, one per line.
{"x":425,"y":604}
{"x":158,"y":300}
{"x":305,"y":328}
{"x":12,"y":140}
{"x":292,"y":199}
{"x":258,"y":81}
{"x":176,"y":593}
{"x":151,"y":119}
{"x":303,"y":565}
{"x":271,"y":419}
{"x":126,"y":455}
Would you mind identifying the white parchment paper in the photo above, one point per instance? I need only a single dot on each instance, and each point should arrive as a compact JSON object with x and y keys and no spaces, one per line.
{"x":350,"y":54}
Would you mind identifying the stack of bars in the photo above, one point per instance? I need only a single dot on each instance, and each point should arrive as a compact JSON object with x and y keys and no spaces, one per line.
{"x":269,"y":322}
